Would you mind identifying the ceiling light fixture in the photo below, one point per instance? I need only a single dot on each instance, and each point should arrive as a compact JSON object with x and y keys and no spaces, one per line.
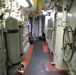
{"x":44,"y":13}
{"x":23,"y":3}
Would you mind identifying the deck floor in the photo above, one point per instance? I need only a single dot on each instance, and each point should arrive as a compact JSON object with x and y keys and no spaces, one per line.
{"x":37,"y":61}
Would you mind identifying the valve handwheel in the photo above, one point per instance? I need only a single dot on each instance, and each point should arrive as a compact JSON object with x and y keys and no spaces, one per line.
{"x":68,"y":43}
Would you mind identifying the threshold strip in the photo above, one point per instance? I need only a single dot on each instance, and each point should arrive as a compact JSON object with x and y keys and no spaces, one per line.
{"x":27,"y":59}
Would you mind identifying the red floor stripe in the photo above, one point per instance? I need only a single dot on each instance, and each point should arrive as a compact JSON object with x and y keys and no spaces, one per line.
{"x":45,"y":47}
{"x":27,"y":59}
{"x":49,"y":67}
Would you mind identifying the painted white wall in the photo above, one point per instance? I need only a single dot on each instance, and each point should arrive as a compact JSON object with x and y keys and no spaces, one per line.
{"x":72,"y":21}
{"x":46,"y":23}
{"x":48,"y":35}
{"x":53,"y":38}
{"x":58,"y":55}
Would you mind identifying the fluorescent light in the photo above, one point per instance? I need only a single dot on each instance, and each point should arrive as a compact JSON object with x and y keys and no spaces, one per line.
{"x":32,"y":2}
{"x":69,"y":14}
{"x":23,"y":3}
{"x":49,"y":10}
{"x":44,"y":13}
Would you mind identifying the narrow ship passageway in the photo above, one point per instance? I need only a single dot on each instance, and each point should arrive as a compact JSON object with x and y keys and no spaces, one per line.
{"x":38,"y":60}
{"x":37,"y":37}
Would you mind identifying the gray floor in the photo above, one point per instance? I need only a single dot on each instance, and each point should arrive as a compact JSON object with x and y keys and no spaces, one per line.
{"x":37,"y":62}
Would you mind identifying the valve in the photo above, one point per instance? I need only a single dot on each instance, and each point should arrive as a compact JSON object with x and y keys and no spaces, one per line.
{"x":68,"y":43}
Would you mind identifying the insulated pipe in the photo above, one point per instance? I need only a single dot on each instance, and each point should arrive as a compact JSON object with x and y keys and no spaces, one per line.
{"x":12,"y":39}
{"x":31,"y":21}
{"x":2,"y":56}
{"x":59,"y":53}
{"x":1,"y":49}
{"x":20,"y":37}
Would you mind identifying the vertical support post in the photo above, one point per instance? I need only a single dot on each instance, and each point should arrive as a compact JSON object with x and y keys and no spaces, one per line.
{"x":31,"y":21}
{"x":40,"y":26}
{"x":59,"y":53}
